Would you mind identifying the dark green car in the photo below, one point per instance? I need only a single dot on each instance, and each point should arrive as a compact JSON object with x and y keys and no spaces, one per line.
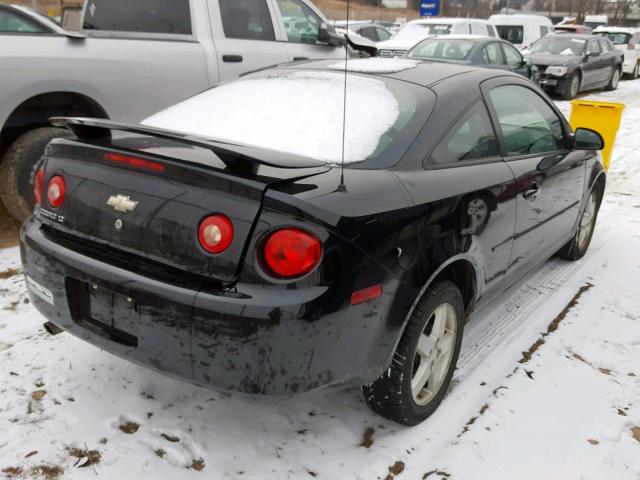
{"x":488,"y":52}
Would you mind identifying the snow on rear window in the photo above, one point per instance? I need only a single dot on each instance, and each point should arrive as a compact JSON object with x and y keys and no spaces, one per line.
{"x":294,"y":112}
{"x":375,"y":65}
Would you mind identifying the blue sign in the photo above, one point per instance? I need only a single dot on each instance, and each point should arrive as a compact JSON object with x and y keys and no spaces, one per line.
{"x":431,"y":8}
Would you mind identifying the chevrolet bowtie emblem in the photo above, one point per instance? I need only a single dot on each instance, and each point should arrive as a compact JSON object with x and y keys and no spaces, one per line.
{"x":122,"y":203}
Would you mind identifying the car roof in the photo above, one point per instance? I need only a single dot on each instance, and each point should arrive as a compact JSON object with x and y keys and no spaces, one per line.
{"x":615,"y":29}
{"x":440,"y":20}
{"x":580,"y":36}
{"x":423,"y":73}
{"x":467,"y":36}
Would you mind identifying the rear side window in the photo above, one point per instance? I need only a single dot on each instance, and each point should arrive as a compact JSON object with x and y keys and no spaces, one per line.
{"x":471,"y":138}
{"x":543,"y":30}
{"x":478,"y":29}
{"x":529,"y":125}
{"x":246,"y":19}
{"x":492,"y":55}
{"x":511,"y":33}
{"x":146,"y":16}
{"x":513,"y":57}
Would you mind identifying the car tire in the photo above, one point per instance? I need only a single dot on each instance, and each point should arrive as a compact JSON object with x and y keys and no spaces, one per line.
{"x":18,"y":166}
{"x":415,"y":383}
{"x":577,"y":247}
{"x":572,"y":87}
{"x":613,"y":80}
{"x":636,"y":71}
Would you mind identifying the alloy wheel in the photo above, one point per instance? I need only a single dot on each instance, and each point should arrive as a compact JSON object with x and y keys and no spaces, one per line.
{"x":615,"y":79}
{"x":587,"y":222}
{"x":433,"y":355}
{"x":574,"y":86}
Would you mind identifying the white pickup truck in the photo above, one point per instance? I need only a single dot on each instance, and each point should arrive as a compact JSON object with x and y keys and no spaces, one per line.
{"x":133,"y":58}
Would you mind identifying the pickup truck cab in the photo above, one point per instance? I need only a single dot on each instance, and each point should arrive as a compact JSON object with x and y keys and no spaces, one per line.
{"x":134,"y":58}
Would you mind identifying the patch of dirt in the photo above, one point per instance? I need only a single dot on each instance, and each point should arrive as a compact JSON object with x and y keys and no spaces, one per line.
{"x":555,"y":323}
{"x":38,"y":394}
{"x":10,"y":272}
{"x":31,"y":454}
{"x":11,"y":472}
{"x":170,"y":438}
{"x":160,"y":452}
{"x":593,"y":441}
{"x":441,"y":473}
{"x":9,"y":229}
{"x":472,"y":420}
{"x":198,"y":464}
{"x":635,"y":432}
{"x":48,"y":472}
{"x":86,"y":458}
{"x":621,"y":412}
{"x":312,"y":473}
{"x":367,"y":437}
{"x":129,"y":427}
{"x":397,"y":468}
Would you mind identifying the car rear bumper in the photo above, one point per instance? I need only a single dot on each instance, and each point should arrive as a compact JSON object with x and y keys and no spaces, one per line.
{"x":252,"y":339}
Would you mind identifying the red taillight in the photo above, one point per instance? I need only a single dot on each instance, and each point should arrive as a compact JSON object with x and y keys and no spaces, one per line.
{"x":38,"y":186}
{"x":56,"y":191}
{"x":366,"y":294}
{"x":134,"y":162}
{"x":292,"y":252}
{"x":215,"y":233}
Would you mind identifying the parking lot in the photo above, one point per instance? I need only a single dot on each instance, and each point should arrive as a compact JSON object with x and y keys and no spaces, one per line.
{"x":547,"y":386}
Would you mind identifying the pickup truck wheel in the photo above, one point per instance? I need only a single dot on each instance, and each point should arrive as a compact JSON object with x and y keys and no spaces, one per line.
{"x":614,"y":80}
{"x":576,"y":248}
{"x":413,"y":387}
{"x":17,"y":169}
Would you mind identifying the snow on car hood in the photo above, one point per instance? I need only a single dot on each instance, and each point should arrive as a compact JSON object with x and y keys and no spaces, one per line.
{"x":294,"y":112}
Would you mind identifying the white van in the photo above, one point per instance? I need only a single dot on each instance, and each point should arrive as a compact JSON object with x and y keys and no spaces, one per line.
{"x":415,"y":31}
{"x":521,"y":30}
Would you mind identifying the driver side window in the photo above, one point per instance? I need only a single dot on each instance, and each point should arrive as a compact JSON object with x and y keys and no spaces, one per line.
{"x":528,"y":124}
{"x":300,"y":23}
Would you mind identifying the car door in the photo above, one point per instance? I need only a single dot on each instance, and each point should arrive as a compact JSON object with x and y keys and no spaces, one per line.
{"x":592,"y":68}
{"x":535,"y":142}
{"x":608,"y":58}
{"x":486,"y":205}
{"x":299,"y":25}
{"x":244,"y":35}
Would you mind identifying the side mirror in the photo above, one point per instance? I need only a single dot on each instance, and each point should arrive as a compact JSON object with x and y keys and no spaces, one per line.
{"x":587,"y":139}
{"x":327,"y":36}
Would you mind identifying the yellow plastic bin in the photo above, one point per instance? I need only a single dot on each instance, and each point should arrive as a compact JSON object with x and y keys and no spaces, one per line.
{"x":603,"y":117}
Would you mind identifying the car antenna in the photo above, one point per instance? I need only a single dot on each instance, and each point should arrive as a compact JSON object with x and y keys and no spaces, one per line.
{"x":343,"y":187}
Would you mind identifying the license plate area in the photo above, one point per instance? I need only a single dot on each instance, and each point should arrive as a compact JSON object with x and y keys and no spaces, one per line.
{"x":104,"y":312}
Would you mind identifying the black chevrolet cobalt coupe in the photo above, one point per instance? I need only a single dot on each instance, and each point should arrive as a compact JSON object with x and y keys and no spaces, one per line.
{"x":220,"y":241}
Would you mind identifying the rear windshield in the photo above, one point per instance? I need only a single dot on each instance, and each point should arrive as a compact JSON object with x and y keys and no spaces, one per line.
{"x":511,"y":33}
{"x":147,"y":16}
{"x":617,"y":38}
{"x":444,"y":49}
{"x":559,"y":45}
{"x":301,"y":112}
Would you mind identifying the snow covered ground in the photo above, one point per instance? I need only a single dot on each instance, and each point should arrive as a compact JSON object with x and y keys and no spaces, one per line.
{"x":548,"y":387}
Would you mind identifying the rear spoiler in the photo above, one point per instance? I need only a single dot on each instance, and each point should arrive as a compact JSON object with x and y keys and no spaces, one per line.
{"x":237,"y":157}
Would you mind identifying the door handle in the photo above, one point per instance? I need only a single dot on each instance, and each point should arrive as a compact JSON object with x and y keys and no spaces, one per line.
{"x":232,"y":58}
{"x":532,"y":192}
